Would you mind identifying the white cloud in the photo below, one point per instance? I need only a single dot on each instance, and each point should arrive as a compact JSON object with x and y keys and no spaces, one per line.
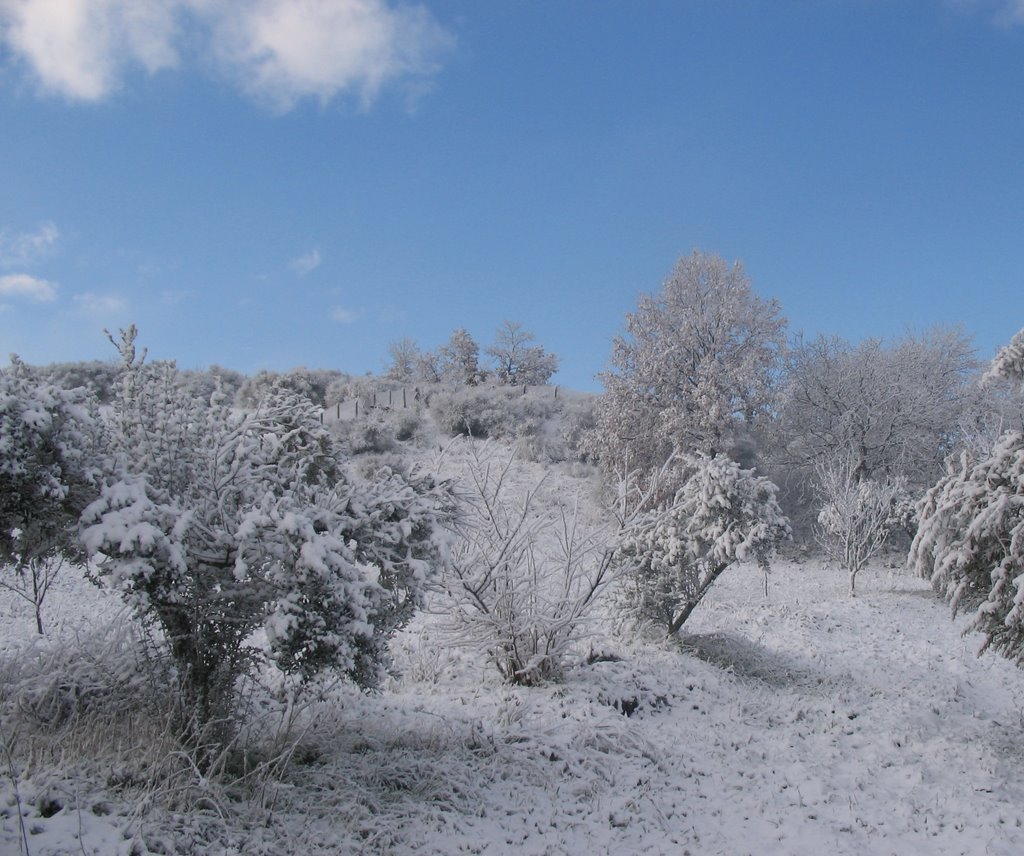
{"x":90,"y":303}
{"x":284,"y":50}
{"x":78,"y":48}
{"x":343,"y":315}
{"x":23,"y":250}
{"x":23,"y":285}
{"x":278,"y":51}
{"x":307,"y":262}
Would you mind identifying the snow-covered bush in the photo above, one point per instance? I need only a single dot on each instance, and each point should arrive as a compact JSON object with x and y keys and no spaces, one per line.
{"x":524,"y":572}
{"x":856,"y":515}
{"x":48,"y":473}
{"x":217,"y":524}
{"x":970,"y":538}
{"x":719,"y":514}
{"x":535,"y":422}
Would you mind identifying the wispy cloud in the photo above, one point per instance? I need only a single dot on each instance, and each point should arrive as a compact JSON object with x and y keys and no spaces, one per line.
{"x":278,"y":51}
{"x":1006,"y":13}
{"x":99,"y":305}
{"x":27,"y":248}
{"x":343,"y":315}
{"x":307,"y":262}
{"x":22,"y":285}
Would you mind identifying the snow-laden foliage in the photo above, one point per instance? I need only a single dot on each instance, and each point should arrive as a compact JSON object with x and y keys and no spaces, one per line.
{"x":719,"y":514}
{"x":47,"y":475}
{"x":970,"y":539}
{"x":524,"y":572}
{"x":1009,"y":361}
{"x":856,"y":515}
{"x":695,"y":370}
{"x":970,"y":542}
{"x":217,"y":524}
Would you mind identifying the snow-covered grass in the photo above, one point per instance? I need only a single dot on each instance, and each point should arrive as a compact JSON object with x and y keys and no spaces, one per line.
{"x":806,"y":722}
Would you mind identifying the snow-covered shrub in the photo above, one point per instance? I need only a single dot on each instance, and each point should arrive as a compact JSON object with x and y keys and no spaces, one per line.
{"x":97,"y":376}
{"x":217,"y":524}
{"x":48,"y":473}
{"x":524,"y":572}
{"x":970,"y":538}
{"x":533,"y":422}
{"x":719,"y":514}
{"x":856,"y":515}
{"x":970,"y":542}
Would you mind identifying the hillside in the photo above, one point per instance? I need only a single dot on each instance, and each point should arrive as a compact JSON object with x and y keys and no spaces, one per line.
{"x":800,"y":722}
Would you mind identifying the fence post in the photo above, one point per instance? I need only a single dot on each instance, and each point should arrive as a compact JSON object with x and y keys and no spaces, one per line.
{"x":357,"y":408}
{"x":339,"y":410}
{"x":404,"y":405}
{"x":389,"y":397}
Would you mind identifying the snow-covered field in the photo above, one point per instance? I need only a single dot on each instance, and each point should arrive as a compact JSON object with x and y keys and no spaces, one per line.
{"x":806,"y":722}
{"x":802,"y":723}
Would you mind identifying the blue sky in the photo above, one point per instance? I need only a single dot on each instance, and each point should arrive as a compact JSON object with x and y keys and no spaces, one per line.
{"x":273,"y":183}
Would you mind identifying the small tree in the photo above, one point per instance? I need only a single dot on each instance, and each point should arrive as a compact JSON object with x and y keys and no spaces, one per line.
{"x":216,"y":524}
{"x":524,"y":573}
{"x":856,"y":515}
{"x":516,"y":361}
{"x":719,"y":514}
{"x":970,"y":538}
{"x":48,"y":473}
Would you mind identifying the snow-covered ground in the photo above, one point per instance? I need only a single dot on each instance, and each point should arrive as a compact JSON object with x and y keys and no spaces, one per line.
{"x":802,"y":723}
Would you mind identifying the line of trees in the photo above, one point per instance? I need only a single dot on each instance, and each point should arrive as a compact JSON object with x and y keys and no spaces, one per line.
{"x":513,"y":360}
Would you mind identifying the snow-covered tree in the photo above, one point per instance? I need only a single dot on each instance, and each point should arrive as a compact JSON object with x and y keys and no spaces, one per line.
{"x":894,"y":408}
{"x":218,"y":524}
{"x":856,"y":514}
{"x":404,"y":354}
{"x":694,"y":370}
{"x":970,"y":538}
{"x":719,"y":514}
{"x":515,"y":361}
{"x":48,"y":473}
{"x":460,"y":359}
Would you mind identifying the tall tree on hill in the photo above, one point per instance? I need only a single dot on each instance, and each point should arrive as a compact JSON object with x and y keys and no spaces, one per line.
{"x":516,"y":361}
{"x":694,"y":371}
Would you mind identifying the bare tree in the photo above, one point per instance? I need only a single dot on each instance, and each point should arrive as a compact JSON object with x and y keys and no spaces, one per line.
{"x":856,"y":514}
{"x":894,"y":409}
{"x":525,"y":571}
